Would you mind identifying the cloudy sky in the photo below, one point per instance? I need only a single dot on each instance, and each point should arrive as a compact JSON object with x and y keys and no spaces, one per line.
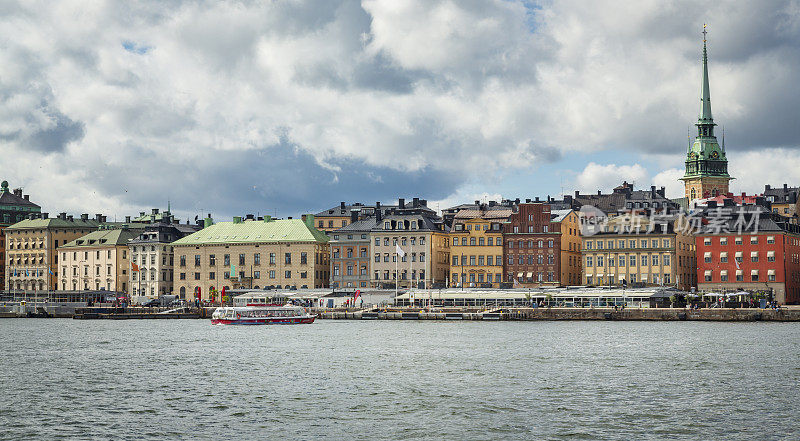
{"x":290,"y":106}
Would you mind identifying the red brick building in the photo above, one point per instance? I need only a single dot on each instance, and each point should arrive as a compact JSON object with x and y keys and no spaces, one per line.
{"x":748,"y":248}
{"x":541,"y":246}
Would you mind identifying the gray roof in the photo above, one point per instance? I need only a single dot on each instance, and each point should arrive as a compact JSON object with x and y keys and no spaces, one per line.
{"x":744,"y":219}
{"x":559,"y":215}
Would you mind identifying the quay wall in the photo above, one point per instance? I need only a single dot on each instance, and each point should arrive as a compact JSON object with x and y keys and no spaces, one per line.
{"x":648,"y":314}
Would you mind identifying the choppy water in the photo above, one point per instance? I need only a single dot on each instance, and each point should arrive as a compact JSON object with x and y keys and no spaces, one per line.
{"x":399,"y":380}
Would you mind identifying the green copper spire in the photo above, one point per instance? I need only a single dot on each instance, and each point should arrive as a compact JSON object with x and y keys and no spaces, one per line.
{"x":705,"y":157}
{"x":705,"y":94}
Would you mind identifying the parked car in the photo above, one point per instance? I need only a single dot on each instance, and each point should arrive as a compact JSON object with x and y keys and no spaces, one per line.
{"x":152,"y":302}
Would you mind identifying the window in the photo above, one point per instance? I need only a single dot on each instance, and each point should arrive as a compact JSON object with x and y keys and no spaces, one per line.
{"x":196,"y":276}
{"x":770,"y":239}
{"x":723,"y":277}
{"x":737,"y":241}
{"x":707,"y":241}
{"x":600,"y":261}
{"x":182,"y":276}
{"x":304,"y":256}
{"x":723,"y":240}
{"x":754,"y":240}
{"x":287,"y":274}
{"x":632,"y":260}
{"x":272,"y":258}
{"x":183,"y":260}
{"x":644,"y":260}
{"x":272,"y":274}
{"x":197,"y":260}
{"x":212,"y":275}
{"x":377,"y":242}
{"x":287,"y":258}
{"x":226,"y":260}
{"x":377,"y":257}
{"x":241,"y":260}
{"x":257,"y":259}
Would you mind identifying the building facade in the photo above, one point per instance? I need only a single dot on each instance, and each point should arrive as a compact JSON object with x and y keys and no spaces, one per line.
{"x":251,"y":253}
{"x":706,"y":164}
{"x":541,"y":246}
{"x":423,"y":238}
{"x":748,"y":248}
{"x":152,"y":257}
{"x":476,"y":249}
{"x":783,"y":200}
{"x":14,"y":207}
{"x":640,"y":251}
{"x":97,"y":261}
{"x":31,"y":249}
{"x":350,"y":255}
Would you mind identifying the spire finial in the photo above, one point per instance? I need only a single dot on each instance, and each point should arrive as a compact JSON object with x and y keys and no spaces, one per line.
{"x":705,"y":94}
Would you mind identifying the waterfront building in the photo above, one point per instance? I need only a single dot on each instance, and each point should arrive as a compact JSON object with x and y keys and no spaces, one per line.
{"x":424,"y":240}
{"x":638,"y":250}
{"x":706,"y":164}
{"x":152,"y":257}
{"x":14,"y":207}
{"x":337,"y":217}
{"x":542,"y":246}
{"x":251,"y":253}
{"x":98,"y":260}
{"x":749,"y":248}
{"x":31,"y":248}
{"x":350,"y":255}
{"x":476,"y":249}
{"x":783,"y":200}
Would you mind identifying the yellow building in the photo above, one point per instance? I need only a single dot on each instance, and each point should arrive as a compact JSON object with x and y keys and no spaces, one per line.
{"x":640,"y":251}
{"x":570,"y":229}
{"x":477,"y":247}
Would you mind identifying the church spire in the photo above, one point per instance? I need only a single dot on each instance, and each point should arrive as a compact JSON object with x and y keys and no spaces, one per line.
{"x":705,"y":94}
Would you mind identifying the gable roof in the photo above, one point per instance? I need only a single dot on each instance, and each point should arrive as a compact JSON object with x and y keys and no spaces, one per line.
{"x":103,"y":238}
{"x":55,"y":223}
{"x":255,"y":231}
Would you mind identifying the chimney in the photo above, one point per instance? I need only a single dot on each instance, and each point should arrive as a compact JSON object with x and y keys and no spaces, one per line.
{"x":250,"y":217}
{"x":663,"y":192}
{"x":31,"y":216}
{"x":62,"y":216}
{"x":45,"y":215}
{"x":267,"y":218}
{"x":103,"y":219}
{"x":354,"y":215}
{"x":70,"y":218}
{"x":18,"y":192}
{"x":527,"y":201}
{"x":84,"y":217}
{"x":28,"y":197}
{"x":98,"y":217}
{"x":492,"y":203}
{"x":599,"y":193}
{"x":577,"y":194}
{"x":537,"y":198}
{"x":401,"y":203}
{"x":415,"y":202}
{"x":766,"y":187}
{"x":568,"y":199}
{"x":141,"y":213}
{"x":310,"y":220}
{"x":237,"y":219}
{"x":341,"y":205}
{"x":207,"y":222}
{"x":127,"y":219}
{"x":378,"y":212}
{"x":477,"y":202}
{"x":761,"y":201}
{"x":423,"y":202}
{"x":516,"y":201}
{"x":785,"y":187}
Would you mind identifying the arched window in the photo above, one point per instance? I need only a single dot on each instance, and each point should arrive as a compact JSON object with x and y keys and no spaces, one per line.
{"x":183,"y":292}
{"x":693,"y":194}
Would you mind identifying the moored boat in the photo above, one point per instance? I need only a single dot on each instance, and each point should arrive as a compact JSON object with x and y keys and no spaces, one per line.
{"x":261,"y":315}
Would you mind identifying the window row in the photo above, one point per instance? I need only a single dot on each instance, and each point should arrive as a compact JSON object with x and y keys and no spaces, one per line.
{"x":626,"y":243}
{"x":393,"y":256}
{"x":643,"y":260}
{"x":477,"y":260}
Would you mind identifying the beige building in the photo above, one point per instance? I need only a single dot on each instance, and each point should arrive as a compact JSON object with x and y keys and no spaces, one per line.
{"x":255,"y":253}
{"x":423,"y":238}
{"x":31,"y":258}
{"x":97,"y":261}
{"x":640,"y":251}
{"x":152,"y":256}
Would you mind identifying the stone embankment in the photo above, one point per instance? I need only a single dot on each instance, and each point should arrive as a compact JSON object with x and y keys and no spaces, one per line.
{"x":651,"y":314}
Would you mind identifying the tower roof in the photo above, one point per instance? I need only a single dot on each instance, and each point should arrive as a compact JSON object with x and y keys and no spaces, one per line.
{"x":705,"y":93}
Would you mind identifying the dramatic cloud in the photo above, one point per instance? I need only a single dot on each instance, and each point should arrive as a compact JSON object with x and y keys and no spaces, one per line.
{"x":236,"y":107}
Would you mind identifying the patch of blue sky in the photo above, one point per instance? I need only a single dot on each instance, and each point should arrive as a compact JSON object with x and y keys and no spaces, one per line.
{"x":135,"y":48}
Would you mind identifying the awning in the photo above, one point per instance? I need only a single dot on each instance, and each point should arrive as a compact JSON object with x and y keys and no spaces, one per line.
{"x":739,"y":272}
{"x":530,"y":275}
{"x":754,"y":272}
{"x":771,"y":272}
{"x":621,"y":277}
{"x":770,"y":253}
{"x":770,"y":239}
{"x":738,"y":254}
{"x":708,"y":272}
{"x":753,"y":253}
{"x":724,"y":272}
{"x":519,"y":275}
{"x":723,"y":254}
{"x":707,"y":254}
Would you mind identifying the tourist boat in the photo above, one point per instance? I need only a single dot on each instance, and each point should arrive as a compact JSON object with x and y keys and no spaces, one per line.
{"x":261,"y":315}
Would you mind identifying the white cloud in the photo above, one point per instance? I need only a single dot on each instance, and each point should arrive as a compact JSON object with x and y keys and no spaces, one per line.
{"x":669,"y":179}
{"x":605,"y":177}
{"x":122,"y":102}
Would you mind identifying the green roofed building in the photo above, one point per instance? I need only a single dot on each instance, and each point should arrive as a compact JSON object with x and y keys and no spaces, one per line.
{"x":251,"y":253}
{"x":97,"y":261}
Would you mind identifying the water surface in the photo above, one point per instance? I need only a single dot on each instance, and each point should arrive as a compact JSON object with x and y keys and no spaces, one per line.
{"x":399,"y":380}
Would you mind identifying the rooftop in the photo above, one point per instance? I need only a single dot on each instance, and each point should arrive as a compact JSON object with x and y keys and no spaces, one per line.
{"x":255,"y":231}
{"x":103,"y":238}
